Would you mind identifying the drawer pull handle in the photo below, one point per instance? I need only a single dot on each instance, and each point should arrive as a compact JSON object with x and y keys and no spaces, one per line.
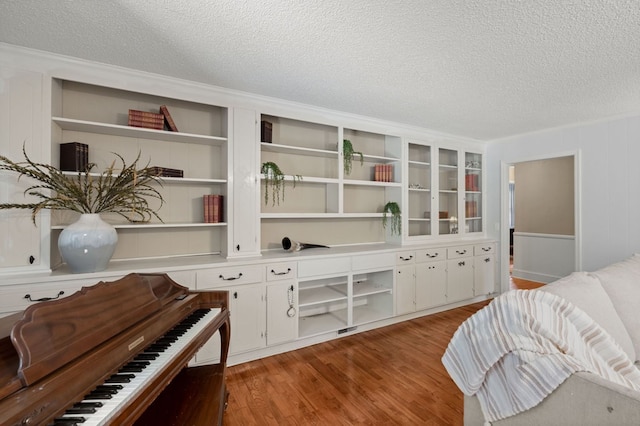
{"x":431,"y":256}
{"x":486,"y":248}
{"x":281,"y":273}
{"x":461,"y":263}
{"x":461,"y":251}
{"x":43,"y":299}
{"x":406,"y":258}
{"x":487,"y":260}
{"x":230,"y":278}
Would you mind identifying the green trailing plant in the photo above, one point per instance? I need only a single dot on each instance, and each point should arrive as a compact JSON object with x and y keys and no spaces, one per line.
{"x":274,"y":181}
{"x":392,"y":208}
{"x":123,"y":190}
{"x":347,"y":155}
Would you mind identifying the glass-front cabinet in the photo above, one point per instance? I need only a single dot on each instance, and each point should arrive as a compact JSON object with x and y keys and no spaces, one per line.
{"x":448,"y":185}
{"x":419,"y":190}
{"x":443,"y":191}
{"x":473,"y":192}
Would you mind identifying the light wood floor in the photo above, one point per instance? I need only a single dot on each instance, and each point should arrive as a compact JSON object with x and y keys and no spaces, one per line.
{"x":392,"y":375}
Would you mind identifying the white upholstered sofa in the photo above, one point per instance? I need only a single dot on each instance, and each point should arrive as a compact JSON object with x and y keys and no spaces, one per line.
{"x":611,"y":297}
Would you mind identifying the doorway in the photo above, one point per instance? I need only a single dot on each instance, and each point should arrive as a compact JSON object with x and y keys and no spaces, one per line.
{"x":543,"y":212}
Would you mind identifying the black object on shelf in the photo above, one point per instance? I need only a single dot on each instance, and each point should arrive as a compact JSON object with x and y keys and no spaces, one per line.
{"x":289,"y":245}
{"x":74,"y":156}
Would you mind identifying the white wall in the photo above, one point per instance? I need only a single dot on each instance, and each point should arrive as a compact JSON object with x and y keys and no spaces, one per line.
{"x":609,"y":183}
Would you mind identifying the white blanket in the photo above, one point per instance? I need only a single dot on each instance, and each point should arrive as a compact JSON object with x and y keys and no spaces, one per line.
{"x":523,"y":345}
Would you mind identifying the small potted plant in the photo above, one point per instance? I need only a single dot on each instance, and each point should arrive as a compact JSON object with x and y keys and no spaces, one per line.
{"x":274,"y":182}
{"x":348,"y":153}
{"x":88,"y":244}
{"x":392,"y":208}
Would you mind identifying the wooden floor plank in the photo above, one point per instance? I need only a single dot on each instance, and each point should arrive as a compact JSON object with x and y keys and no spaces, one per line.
{"x":392,"y":375}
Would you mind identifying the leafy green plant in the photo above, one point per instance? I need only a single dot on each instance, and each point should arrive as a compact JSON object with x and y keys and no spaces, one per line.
{"x":393,"y":209}
{"x":274,"y":181}
{"x":123,"y":190}
{"x":348,"y":153}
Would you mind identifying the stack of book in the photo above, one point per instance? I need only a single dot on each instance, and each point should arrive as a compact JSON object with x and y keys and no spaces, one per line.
{"x":74,"y":156}
{"x":383,"y":173}
{"x":213,"y":208}
{"x":167,"y":172}
{"x":471,"y":209}
{"x":149,"y":120}
{"x":471,"y":182}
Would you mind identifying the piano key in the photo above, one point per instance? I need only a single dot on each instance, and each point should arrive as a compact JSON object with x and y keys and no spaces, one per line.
{"x":111,"y":406}
{"x":69,"y":420}
{"x":81,"y":410}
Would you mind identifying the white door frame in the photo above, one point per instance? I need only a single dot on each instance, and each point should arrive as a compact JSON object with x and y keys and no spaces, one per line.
{"x":504,"y":210}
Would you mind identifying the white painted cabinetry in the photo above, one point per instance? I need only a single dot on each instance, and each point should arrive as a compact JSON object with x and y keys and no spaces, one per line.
{"x":459,"y":273}
{"x":23,"y":245}
{"x":282,"y":305}
{"x":484,"y":269}
{"x":431,"y":278}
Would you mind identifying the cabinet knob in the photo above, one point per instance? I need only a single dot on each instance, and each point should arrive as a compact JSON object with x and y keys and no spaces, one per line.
{"x":31,"y":259}
{"x":487,"y":260}
{"x":461,"y":263}
{"x":238,"y":247}
{"x":235,"y":294}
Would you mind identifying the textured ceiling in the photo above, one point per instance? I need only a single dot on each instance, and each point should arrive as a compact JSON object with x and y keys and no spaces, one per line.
{"x":482,"y":69}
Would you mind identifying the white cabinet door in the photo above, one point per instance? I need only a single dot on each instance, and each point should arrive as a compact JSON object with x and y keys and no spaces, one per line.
{"x":247,"y":316}
{"x":431,"y":284}
{"x":282,"y":314}
{"x":484,"y":275}
{"x":243,"y":174}
{"x":21,"y":107}
{"x":405,"y":289}
{"x":247,"y":308}
{"x":459,"y":279}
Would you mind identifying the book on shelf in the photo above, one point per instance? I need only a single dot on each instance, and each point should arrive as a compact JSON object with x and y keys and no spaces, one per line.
{"x":266,"y":131}
{"x":213,"y":207}
{"x":149,"y":120}
{"x":471,"y":182}
{"x":171,"y":125}
{"x":167,"y":172}
{"x":383,"y":173}
{"x":74,"y":156}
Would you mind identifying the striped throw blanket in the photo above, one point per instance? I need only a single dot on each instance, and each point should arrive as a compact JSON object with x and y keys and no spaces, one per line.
{"x":524,"y":344}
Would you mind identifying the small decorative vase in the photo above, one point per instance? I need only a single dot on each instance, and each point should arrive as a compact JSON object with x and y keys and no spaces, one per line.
{"x":88,"y":244}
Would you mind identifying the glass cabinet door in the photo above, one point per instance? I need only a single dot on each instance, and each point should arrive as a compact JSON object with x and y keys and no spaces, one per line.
{"x":473,"y":192}
{"x":448,"y":214}
{"x":419,"y":187}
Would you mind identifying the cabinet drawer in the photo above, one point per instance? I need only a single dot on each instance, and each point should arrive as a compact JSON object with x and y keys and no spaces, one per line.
{"x":212,"y":278}
{"x":310,"y":268}
{"x":487,"y":248}
{"x":459,"y":251}
{"x":19,"y":298}
{"x":370,"y":261}
{"x":431,"y":255}
{"x":405,"y":257}
{"x":281,"y":271}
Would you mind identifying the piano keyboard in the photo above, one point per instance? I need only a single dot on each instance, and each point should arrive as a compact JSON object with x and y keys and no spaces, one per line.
{"x":104,"y":402}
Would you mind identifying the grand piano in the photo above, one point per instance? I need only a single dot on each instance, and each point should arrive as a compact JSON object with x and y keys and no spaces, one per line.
{"x":115,"y":353}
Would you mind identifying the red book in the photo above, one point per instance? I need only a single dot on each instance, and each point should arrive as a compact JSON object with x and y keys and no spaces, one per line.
{"x":215,"y":208}
{"x":168,"y":119}
{"x":220,"y":208}
{"x":207,"y":211}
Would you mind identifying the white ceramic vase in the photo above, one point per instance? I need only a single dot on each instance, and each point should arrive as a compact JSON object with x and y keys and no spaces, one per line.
{"x":88,"y":244}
